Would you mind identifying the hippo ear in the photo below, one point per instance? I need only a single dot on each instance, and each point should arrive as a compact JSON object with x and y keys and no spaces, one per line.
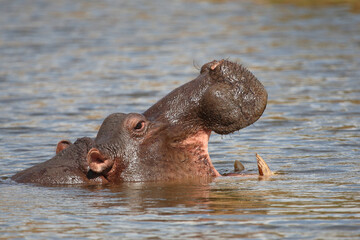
{"x":63,"y":144}
{"x":98,"y":162}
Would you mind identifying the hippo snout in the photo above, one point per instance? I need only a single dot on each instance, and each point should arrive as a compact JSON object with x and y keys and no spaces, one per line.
{"x":234,"y":99}
{"x":224,"y":98}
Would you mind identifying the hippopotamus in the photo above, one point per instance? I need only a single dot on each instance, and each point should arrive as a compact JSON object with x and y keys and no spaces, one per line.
{"x":168,"y":142}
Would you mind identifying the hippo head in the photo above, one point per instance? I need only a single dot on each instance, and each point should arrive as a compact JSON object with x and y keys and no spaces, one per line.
{"x":125,"y":146}
{"x":169,"y":141}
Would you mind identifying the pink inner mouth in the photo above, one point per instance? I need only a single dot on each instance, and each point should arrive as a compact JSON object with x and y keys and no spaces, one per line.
{"x":197,"y":145}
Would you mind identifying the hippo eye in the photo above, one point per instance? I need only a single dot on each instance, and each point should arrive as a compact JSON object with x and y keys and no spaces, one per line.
{"x":140,"y":125}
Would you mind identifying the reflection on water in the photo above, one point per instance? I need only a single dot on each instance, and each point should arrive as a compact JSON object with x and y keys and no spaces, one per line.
{"x":64,"y":66}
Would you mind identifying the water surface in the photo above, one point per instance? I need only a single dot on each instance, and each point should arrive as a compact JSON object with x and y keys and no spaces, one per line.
{"x":65,"y":65}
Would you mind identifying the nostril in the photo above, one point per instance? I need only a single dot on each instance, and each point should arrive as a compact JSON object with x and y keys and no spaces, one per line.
{"x":215,"y":64}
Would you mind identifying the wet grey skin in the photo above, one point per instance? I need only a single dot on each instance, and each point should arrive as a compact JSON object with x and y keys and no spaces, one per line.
{"x":169,"y":141}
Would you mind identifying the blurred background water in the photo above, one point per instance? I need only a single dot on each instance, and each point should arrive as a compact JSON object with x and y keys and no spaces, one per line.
{"x":65,"y":65}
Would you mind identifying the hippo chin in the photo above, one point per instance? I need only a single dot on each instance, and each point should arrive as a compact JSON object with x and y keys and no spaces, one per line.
{"x":167,"y":142}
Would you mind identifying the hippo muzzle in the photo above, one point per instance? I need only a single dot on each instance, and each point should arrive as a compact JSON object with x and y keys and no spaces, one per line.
{"x":224,"y":98}
{"x":234,"y":99}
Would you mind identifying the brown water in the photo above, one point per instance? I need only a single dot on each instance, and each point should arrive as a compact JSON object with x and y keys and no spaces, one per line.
{"x":66,"y":65}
